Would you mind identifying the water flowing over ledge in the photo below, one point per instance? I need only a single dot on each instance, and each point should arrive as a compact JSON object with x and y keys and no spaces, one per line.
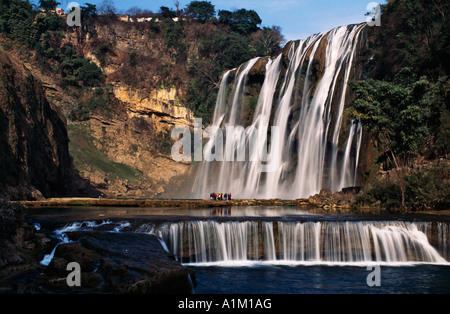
{"x":280,"y":242}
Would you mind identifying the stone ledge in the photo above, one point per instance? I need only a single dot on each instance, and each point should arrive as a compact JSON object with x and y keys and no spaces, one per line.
{"x":98,"y":202}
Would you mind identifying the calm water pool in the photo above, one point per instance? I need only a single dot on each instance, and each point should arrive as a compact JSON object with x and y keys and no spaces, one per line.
{"x":321,"y":279}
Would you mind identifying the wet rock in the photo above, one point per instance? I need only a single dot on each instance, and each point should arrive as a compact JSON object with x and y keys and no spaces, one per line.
{"x":334,"y":201}
{"x":16,"y":236}
{"x":351,"y":190}
{"x":68,"y":252}
{"x":109,"y":262}
{"x":19,"y":247}
{"x":118,"y":263}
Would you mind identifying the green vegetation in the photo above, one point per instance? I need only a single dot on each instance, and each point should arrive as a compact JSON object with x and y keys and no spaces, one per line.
{"x":199,"y":46}
{"x":241,"y":21}
{"x":48,"y":5}
{"x":45,"y":32}
{"x":173,"y":35}
{"x":165,"y":144}
{"x":95,"y":101}
{"x":398,"y":113}
{"x":425,"y":189}
{"x":201,"y":11}
{"x":405,"y":105}
{"x":84,"y":152}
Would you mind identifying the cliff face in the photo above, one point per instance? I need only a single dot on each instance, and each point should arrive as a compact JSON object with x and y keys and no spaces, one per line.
{"x":34,"y":156}
{"x":122,"y":150}
{"x":129,"y":150}
{"x":162,"y":105}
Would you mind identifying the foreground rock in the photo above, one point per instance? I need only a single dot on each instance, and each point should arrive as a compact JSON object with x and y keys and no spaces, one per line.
{"x":118,"y":263}
{"x":109,"y":262}
{"x":19,"y":244}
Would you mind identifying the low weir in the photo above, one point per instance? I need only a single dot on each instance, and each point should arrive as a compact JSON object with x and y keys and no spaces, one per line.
{"x":205,"y":241}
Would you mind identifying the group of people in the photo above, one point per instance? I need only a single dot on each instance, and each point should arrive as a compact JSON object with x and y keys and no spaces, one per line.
{"x":220,"y":196}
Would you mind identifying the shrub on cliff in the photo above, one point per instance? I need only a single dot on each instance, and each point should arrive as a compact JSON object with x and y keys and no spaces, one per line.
{"x":89,"y":73}
{"x":381,"y":193}
{"x":427,"y":188}
{"x":397,"y":113}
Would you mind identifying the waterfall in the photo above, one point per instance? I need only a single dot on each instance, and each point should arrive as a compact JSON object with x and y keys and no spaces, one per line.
{"x":301,"y":144}
{"x":304,"y":242}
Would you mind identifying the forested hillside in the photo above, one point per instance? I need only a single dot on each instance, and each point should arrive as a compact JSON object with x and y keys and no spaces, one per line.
{"x":185,"y":48}
{"x":404,"y":102}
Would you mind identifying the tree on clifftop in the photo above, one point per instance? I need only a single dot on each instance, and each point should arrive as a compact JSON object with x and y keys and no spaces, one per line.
{"x":242,"y":21}
{"x":201,"y":11}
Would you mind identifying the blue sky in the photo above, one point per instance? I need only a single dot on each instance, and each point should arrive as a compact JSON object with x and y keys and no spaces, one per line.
{"x":298,"y":19}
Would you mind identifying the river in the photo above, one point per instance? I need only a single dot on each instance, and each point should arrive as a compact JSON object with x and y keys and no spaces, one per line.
{"x":283,"y":250}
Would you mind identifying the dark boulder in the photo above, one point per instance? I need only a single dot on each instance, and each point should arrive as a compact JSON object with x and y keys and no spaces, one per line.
{"x":20,"y":249}
{"x":18,"y":240}
{"x":118,"y":263}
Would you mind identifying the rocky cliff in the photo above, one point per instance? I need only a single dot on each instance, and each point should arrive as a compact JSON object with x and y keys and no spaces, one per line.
{"x":124,"y":151}
{"x":116,"y":134}
{"x":34,"y":154}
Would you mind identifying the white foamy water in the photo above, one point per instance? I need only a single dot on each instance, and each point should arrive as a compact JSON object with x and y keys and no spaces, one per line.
{"x":240,"y":243}
{"x":61,"y":234}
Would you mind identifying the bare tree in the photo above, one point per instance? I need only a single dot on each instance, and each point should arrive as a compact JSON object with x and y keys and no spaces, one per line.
{"x":271,"y":39}
{"x":134,"y":10}
{"x":107,"y":7}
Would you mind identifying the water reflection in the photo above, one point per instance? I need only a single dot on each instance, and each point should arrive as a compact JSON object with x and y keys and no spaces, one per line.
{"x":222,"y":211}
{"x":231,"y":211}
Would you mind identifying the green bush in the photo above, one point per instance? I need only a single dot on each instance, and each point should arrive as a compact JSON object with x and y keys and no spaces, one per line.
{"x":89,"y":73}
{"x":429,"y":189}
{"x":382,"y":193}
{"x":425,"y":189}
{"x":241,"y":21}
{"x":202,"y":11}
{"x":165,"y":143}
{"x":102,"y":51}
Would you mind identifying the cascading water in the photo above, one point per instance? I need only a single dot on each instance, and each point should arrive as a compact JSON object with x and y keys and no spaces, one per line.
{"x":303,"y":242}
{"x":304,"y":100}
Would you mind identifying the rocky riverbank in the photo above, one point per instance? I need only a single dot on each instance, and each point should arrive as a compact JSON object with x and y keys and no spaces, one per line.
{"x":109,"y":262}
